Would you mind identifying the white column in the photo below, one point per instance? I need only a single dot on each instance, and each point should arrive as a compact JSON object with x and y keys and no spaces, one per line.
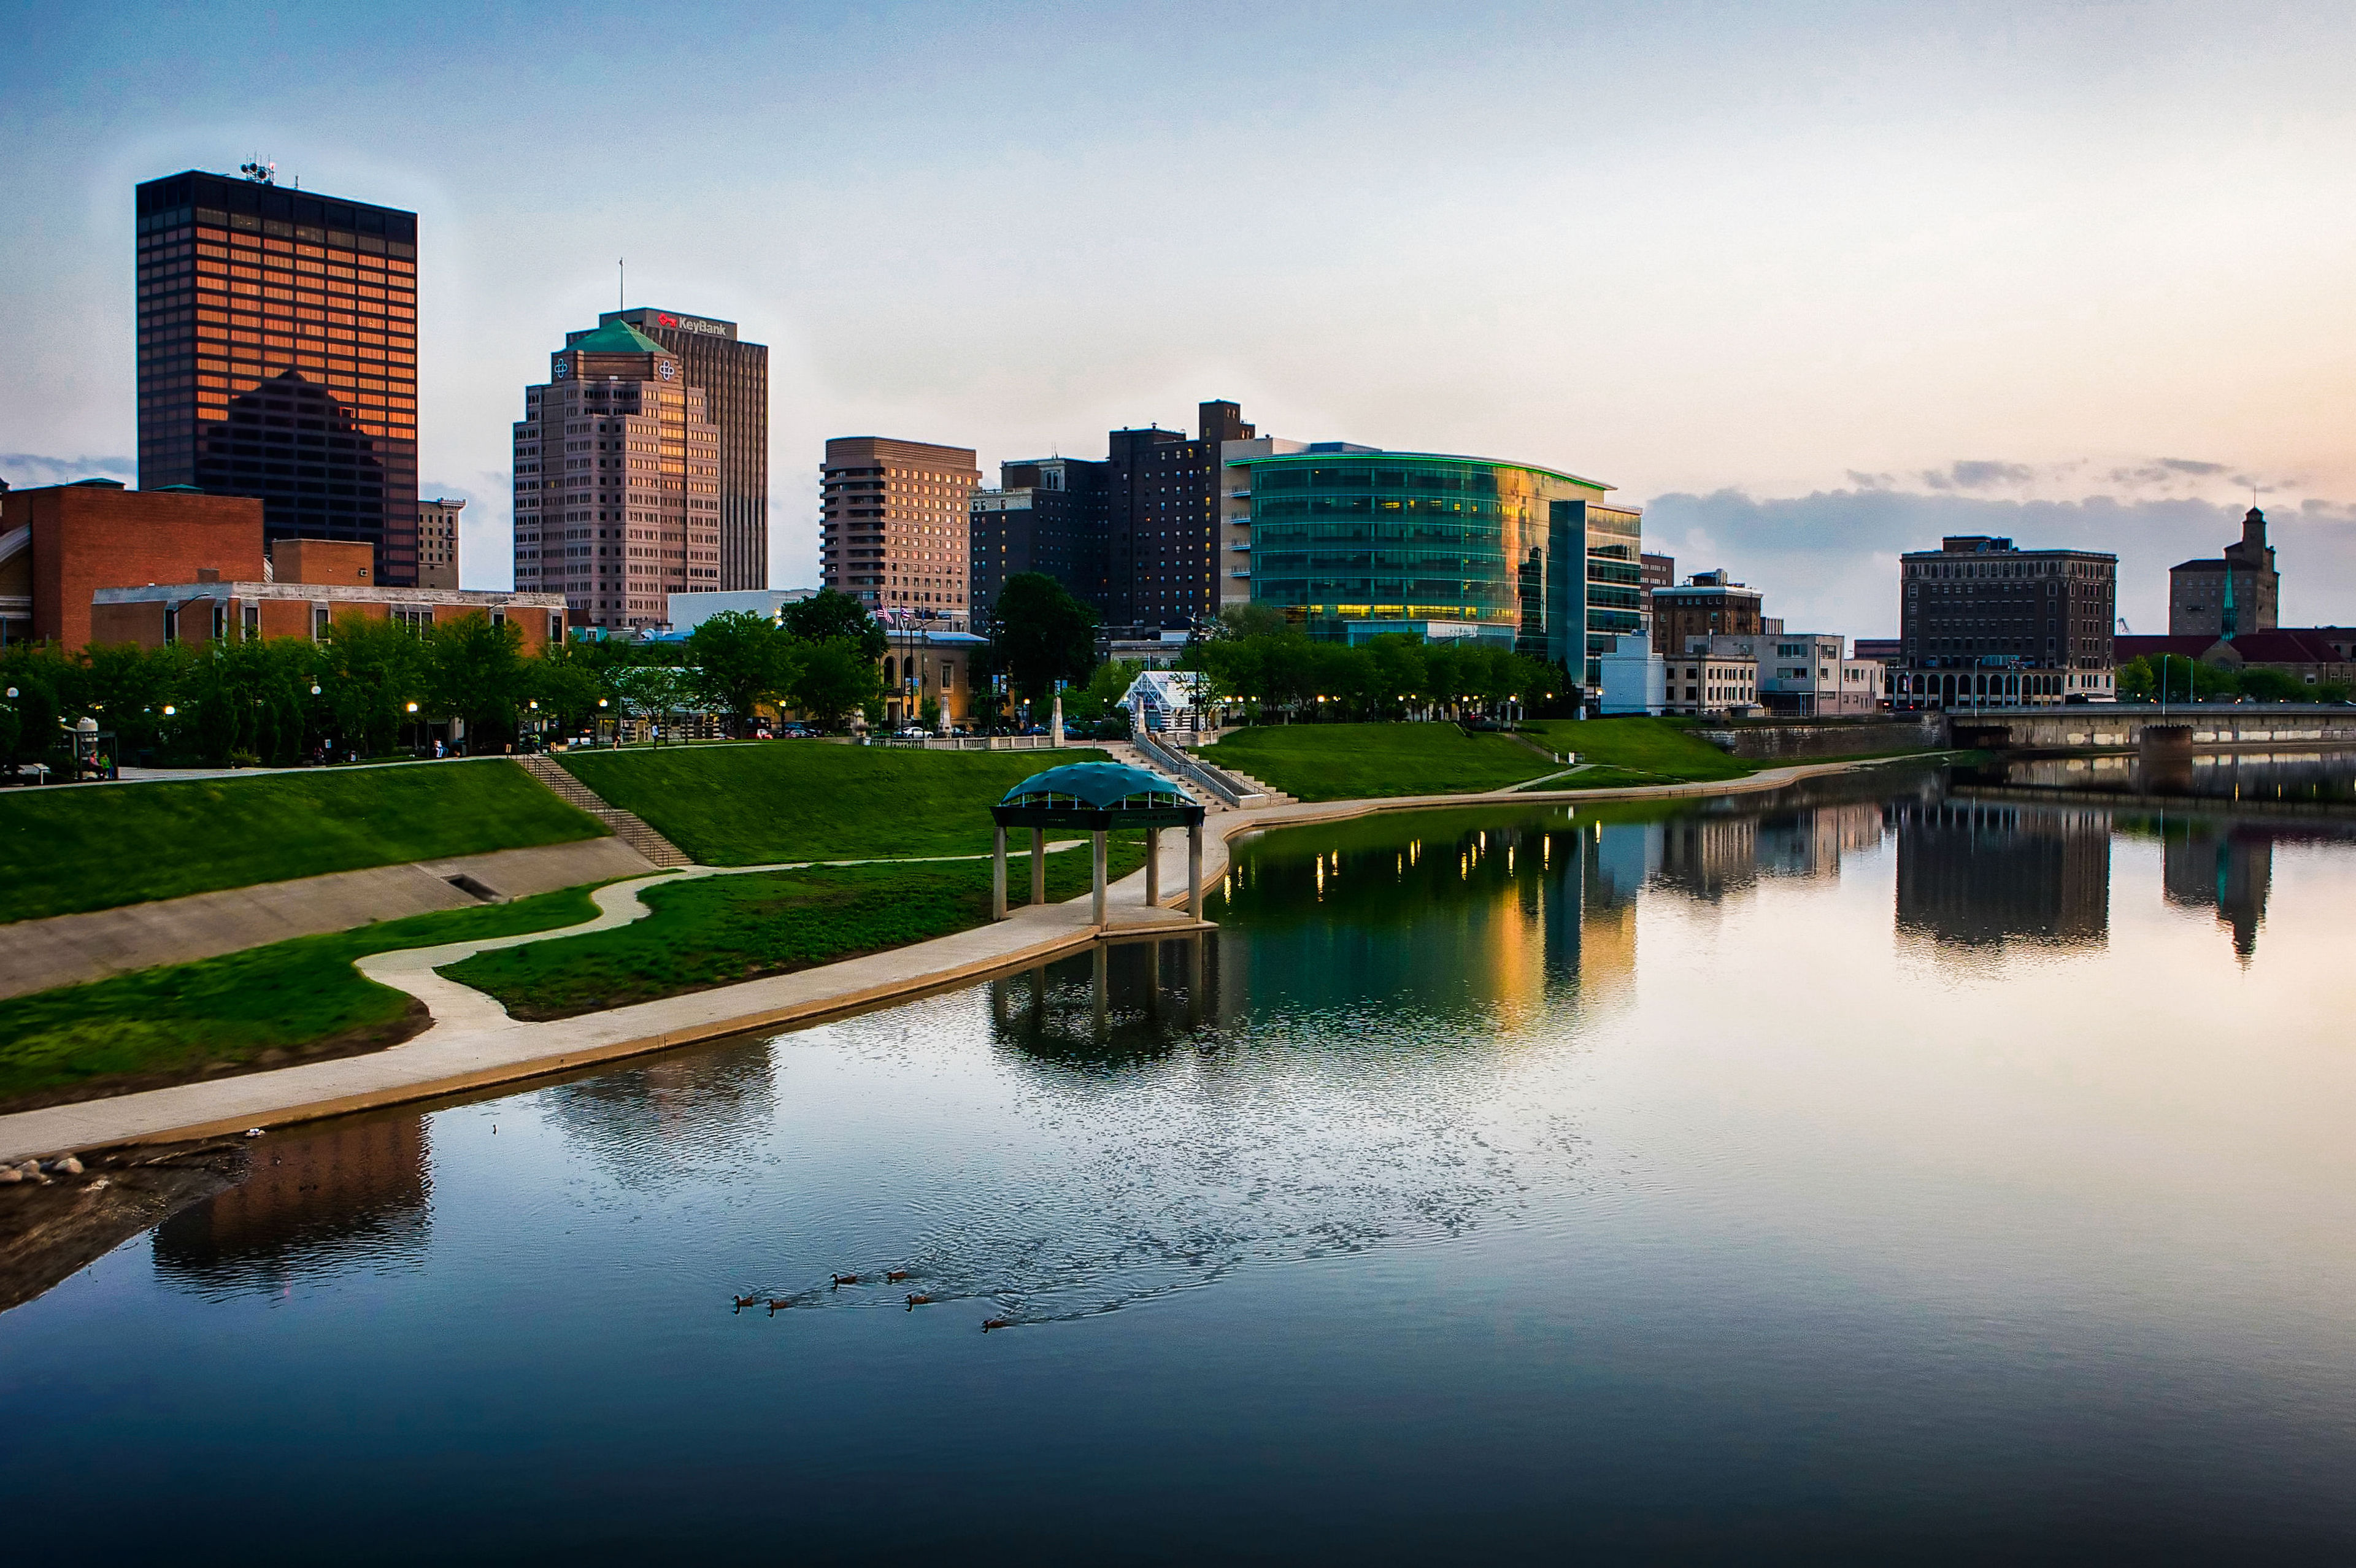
{"x":1098,"y":905}
{"x":1194,"y":869}
{"x":998,"y":873}
{"x":1038,"y":865}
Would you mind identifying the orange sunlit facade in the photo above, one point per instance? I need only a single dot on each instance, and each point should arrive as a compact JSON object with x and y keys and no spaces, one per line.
{"x":278,"y":358}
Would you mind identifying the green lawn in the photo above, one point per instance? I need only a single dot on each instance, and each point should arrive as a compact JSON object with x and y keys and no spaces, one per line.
{"x":716,"y":931}
{"x":94,"y":846}
{"x":802,"y":800}
{"x":1638,"y":751}
{"x":288,"y":1001}
{"x":1355,"y":761}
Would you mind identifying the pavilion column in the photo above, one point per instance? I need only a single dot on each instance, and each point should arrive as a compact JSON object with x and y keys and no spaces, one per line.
{"x":998,"y":873}
{"x":1194,"y":868}
{"x":1099,"y":836}
{"x":1154,"y":867}
{"x":1038,"y":865}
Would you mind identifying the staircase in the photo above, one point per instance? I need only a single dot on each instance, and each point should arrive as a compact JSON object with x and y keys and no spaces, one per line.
{"x":629,"y":826}
{"x":1123,"y":752}
{"x":1275,"y":797}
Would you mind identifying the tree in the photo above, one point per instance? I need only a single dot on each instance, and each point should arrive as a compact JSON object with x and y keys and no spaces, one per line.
{"x":743,"y":660}
{"x":566,"y":684}
{"x":2267,"y":685}
{"x":829,"y":616}
{"x":371,"y":671}
{"x":476,"y":674}
{"x":1041,"y":635}
{"x":656,"y":691}
{"x":838,"y":678}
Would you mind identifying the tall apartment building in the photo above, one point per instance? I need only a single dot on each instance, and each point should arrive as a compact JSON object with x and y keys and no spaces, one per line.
{"x":1984,"y":624}
{"x":1046,"y":515}
{"x":1163,"y":518}
{"x":278,"y":358}
{"x":616,"y":481}
{"x":734,"y":376}
{"x":893,"y":529}
{"x":437,"y":541}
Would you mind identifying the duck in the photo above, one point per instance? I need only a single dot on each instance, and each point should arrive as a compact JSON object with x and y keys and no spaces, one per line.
{"x":917,"y":1301}
{"x":895,"y":1275}
{"x":745,"y":1301}
{"x":989,"y":1323}
{"x":842,"y":1279}
{"x":776,"y":1306}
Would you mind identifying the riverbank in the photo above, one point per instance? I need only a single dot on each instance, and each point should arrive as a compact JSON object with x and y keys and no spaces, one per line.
{"x":473,"y":1044}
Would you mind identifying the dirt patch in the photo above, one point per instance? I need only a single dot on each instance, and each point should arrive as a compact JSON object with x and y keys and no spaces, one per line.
{"x":414,"y":1020}
{"x":49,"y":1230}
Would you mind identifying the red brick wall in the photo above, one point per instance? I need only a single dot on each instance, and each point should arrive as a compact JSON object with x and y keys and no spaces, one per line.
{"x":86,"y":539}
{"x":337,"y":561}
{"x":141,"y":623}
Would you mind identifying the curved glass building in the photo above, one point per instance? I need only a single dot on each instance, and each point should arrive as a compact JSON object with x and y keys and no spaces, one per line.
{"x":1352,"y":543}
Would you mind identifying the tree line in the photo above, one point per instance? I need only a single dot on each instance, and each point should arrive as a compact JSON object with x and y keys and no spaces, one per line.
{"x":358,"y":689}
{"x":2139,"y":680}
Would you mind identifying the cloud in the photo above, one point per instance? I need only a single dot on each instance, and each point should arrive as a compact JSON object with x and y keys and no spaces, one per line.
{"x":1827,"y":561}
{"x":1977,"y":474}
{"x":1872,"y":481}
{"x":2190,"y":465}
{"x":30,"y":470}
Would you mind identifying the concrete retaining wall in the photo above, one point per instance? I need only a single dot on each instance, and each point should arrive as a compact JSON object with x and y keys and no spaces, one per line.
{"x":1829,"y":737}
{"x":2099,"y":726}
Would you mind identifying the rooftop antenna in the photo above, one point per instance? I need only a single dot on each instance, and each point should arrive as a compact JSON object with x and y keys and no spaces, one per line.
{"x":259,"y":172}
{"x":622,"y":284}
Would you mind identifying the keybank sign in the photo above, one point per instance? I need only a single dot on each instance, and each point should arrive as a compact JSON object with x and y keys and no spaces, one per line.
{"x":694,"y":323}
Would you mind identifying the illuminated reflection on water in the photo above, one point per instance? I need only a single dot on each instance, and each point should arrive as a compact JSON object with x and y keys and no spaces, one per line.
{"x":1872,"y":1169}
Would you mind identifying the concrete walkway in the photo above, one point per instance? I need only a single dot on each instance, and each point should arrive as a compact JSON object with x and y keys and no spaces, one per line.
{"x":473,"y":1044}
{"x":69,"y":949}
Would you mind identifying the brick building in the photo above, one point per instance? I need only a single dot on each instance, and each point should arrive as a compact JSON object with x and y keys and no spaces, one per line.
{"x":1711,"y":604}
{"x":302,"y":589}
{"x":61,"y":543}
{"x":893,"y":531}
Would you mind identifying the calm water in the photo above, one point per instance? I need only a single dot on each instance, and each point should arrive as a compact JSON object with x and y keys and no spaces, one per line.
{"x":1842,"y":1175}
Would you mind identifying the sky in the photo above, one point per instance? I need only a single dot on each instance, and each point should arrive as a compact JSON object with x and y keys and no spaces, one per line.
{"x":1811,"y":283}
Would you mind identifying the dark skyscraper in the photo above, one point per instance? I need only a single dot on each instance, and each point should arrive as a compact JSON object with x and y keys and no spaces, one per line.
{"x":278,"y":358}
{"x":1161,"y":549}
{"x":734,"y":376}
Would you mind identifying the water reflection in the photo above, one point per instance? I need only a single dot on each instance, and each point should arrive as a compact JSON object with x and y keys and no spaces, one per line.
{"x":2276,"y":775}
{"x":2225,"y":868}
{"x":1978,"y":873}
{"x":654,"y":1122}
{"x":1131,"y":1000}
{"x":354,"y":1194}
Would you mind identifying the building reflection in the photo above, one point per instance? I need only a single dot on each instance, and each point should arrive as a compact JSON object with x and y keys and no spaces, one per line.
{"x":2226,"y":869}
{"x":1981,"y":873}
{"x":354,"y":1194}
{"x":678,"y":1112}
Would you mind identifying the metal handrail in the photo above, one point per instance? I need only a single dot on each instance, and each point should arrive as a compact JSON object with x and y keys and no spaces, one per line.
{"x":1203,"y":773}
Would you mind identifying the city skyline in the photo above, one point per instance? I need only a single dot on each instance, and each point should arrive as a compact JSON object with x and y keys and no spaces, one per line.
{"x":1835,"y":285}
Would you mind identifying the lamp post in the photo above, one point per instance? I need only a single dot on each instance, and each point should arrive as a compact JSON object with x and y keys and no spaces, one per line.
{"x":599,"y":721}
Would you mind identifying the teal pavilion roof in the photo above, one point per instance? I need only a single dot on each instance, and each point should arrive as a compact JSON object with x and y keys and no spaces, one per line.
{"x":1101,"y":784}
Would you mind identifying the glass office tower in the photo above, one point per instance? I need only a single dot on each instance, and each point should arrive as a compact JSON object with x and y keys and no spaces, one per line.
{"x":1353,"y":542}
{"x":278,"y":358}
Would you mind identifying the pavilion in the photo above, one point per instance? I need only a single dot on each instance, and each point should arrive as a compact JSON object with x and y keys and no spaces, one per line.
{"x":1098,"y":796}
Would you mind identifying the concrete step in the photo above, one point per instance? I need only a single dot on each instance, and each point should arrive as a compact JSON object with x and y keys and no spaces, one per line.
{"x":1127,"y":752}
{"x":629,"y":826}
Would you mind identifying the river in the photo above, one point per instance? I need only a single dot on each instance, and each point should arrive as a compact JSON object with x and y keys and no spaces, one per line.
{"x":1867,"y":1170}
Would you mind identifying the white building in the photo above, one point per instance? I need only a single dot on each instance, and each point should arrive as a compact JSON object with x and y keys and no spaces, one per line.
{"x":688,"y":611}
{"x":1233,"y":564}
{"x":1806,"y":675}
{"x":1162,"y":696}
{"x":1710,"y":685}
{"x":1635,"y":678}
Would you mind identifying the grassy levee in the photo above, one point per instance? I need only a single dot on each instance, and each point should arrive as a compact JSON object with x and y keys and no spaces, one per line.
{"x":291,"y":1001}
{"x":97,"y":846}
{"x":717,"y":931}
{"x":1638,"y":751}
{"x":1356,"y":761}
{"x":807,"y":800}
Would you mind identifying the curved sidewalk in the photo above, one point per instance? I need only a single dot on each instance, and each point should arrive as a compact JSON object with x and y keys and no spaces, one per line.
{"x":472,"y":1043}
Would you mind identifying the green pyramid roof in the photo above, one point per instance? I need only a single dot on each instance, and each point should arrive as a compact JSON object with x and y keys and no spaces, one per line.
{"x":617,"y":337}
